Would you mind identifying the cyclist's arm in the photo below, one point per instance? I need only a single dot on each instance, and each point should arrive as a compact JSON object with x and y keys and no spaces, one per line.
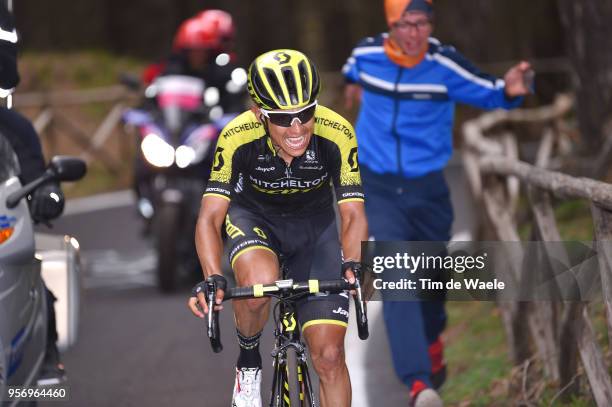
{"x":349,"y":192}
{"x":209,"y":246}
{"x":354,"y":229}
{"x":215,"y":204}
{"x":209,"y":243}
{"x":216,"y":200}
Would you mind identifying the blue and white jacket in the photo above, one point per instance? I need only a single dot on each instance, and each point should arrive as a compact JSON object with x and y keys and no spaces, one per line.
{"x":405,"y":122}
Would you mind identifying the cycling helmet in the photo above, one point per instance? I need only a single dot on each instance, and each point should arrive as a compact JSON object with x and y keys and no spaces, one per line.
{"x":283,"y":79}
{"x":210,"y":29}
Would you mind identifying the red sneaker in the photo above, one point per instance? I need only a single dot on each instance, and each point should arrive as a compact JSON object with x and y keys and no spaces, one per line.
{"x":438,"y":367}
{"x":423,"y":396}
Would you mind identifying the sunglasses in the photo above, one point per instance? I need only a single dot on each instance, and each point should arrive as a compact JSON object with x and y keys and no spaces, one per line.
{"x":284,"y":119}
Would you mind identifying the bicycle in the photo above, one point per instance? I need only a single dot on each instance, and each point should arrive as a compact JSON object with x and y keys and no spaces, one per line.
{"x":287,"y":330}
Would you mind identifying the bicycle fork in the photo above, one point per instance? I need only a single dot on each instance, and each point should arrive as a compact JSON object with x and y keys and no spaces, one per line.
{"x":288,"y":337}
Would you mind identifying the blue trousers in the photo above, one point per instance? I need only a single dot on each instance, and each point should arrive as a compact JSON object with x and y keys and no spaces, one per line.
{"x":416,"y":209}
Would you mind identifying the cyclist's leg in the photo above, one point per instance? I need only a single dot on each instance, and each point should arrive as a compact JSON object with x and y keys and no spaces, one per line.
{"x":258,"y":266}
{"x":326,"y":346}
{"x":254,"y":261}
{"x":323,"y":318}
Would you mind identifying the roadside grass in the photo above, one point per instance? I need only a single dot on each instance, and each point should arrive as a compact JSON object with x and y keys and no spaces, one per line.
{"x":476,"y":354}
{"x":480,"y":372}
{"x":48,"y":71}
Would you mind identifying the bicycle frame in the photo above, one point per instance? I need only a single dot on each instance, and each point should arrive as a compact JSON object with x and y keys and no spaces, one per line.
{"x":287,"y":336}
{"x":287,"y":329}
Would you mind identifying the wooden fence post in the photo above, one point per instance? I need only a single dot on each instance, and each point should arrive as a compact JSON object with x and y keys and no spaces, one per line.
{"x":602,"y":220}
{"x":513,"y":312}
{"x":593,"y":361}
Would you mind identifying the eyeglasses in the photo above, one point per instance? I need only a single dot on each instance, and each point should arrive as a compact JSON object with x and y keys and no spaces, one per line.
{"x":407,"y":25}
{"x":285,"y":119}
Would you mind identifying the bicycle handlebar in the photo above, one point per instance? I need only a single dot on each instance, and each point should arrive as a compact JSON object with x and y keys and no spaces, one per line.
{"x":306,"y":287}
{"x":289,"y":287}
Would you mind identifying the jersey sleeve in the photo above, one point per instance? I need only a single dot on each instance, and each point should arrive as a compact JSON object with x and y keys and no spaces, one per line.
{"x":224,"y":171}
{"x":344,"y":165}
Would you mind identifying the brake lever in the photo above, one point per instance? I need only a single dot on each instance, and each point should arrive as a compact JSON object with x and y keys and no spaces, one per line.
{"x":213,"y":318}
{"x":362,"y":316}
{"x":211,"y":292}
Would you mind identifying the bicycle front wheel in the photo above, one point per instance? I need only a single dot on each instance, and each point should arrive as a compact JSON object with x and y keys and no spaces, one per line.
{"x":292,"y":385}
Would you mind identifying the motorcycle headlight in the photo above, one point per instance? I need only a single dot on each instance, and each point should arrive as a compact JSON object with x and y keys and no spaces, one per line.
{"x":156,"y":151}
{"x":184,"y":156}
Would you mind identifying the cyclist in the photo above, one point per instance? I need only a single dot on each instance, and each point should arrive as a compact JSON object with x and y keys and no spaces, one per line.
{"x":270,"y":183}
{"x":203,"y":48}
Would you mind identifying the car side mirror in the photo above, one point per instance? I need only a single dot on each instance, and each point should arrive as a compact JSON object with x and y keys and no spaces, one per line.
{"x":61,"y":168}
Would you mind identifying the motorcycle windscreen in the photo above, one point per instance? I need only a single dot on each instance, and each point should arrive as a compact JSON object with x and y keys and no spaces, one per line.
{"x":178,"y":96}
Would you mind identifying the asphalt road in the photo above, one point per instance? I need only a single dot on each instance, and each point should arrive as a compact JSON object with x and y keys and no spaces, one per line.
{"x":136,"y":346}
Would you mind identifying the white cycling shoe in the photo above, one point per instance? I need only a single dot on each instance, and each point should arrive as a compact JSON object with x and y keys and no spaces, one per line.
{"x":247,"y":388}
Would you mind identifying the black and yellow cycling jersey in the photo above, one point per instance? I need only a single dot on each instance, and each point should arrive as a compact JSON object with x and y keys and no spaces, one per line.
{"x":248,"y":171}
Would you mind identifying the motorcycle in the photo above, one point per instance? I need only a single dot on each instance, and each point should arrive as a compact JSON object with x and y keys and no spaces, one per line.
{"x":23,"y":305}
{"x":176,"y":136}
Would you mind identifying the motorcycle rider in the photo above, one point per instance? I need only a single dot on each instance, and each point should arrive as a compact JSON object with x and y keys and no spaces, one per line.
{"x":47,"y":201}
{"x":202,"y":48}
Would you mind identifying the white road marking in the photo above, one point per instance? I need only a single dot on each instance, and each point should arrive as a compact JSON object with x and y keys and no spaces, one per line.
{"x":100,"y":202}
{"x":112,"y":269}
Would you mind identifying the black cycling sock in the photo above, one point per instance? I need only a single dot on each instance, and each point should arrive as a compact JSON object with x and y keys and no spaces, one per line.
{"x":249,"y":351}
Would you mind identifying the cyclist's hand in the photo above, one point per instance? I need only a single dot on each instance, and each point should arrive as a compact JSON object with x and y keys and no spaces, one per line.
{"x":198,"y":300}
{"x":349,"y":274}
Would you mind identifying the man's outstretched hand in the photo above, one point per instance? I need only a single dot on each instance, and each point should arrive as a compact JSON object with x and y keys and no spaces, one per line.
{"x":519,"y":80}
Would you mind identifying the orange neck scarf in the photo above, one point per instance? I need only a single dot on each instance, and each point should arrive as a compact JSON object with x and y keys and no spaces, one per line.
{"x":395,"y":54}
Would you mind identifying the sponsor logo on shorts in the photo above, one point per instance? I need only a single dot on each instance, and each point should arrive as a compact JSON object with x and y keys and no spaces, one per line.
{"x":341,"y":311}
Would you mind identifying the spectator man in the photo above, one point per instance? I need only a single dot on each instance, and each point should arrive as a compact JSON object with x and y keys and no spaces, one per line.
{"x":408,"y":84}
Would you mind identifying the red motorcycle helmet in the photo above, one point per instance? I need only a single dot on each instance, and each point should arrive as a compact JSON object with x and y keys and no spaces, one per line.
{"x":209,"y":29}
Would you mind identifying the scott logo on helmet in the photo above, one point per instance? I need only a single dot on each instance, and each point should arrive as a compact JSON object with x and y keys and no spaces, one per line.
{"x":282,"y":58}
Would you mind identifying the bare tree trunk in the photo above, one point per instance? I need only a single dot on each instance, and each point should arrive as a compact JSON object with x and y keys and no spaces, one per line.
{"x":588,"y":32}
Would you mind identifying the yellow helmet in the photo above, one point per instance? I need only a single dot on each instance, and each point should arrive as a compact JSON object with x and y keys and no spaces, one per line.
{"x":283,"y":79}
